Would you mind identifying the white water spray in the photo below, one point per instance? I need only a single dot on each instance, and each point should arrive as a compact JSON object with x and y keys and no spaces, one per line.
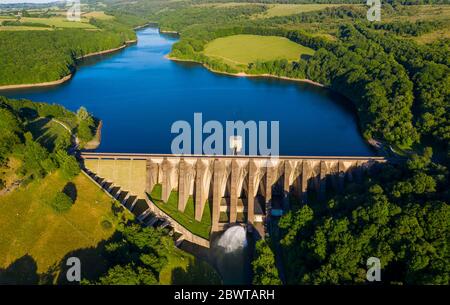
{"x":233,"y":239}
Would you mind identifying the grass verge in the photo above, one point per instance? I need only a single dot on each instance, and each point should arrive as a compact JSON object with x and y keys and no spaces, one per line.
{"x":186,"y":218}
{"x":34,"y":236}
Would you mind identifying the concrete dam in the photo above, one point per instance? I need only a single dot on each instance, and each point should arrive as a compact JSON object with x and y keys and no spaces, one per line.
{"x":243,"y":190}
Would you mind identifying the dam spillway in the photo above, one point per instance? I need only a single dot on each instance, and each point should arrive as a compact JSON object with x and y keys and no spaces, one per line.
{"x":244,"y":188}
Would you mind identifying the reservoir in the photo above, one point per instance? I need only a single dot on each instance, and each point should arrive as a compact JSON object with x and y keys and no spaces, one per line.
{"x":139,"y":94}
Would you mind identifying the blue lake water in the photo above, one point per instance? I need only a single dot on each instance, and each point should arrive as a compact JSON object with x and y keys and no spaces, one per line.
{"x":138,"y":94}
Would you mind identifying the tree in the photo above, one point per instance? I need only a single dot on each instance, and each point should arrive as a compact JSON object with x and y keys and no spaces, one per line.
{"x":61,"y":203}
{"x":293,"y":222}
{"x":264,"y":269}
{"x":68,"y":164}
{"x":9,"y":129}
{"x":137,"y":256}
{"x":120,"y":275}
{"x":83,"y":114}
{"x":36,"y":159}
{"x":396,"y":215}
{"x":84,"y":131}
{"x":63,"y":142}
{"x":86,"y":124}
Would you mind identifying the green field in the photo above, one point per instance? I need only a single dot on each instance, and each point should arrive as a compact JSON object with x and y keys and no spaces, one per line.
{"x":186,"y":218}
{"x":224,"y":4}
{"x":60,"y":22}
{"x":35,"y":239}
{"x":98,"y":15}
{"x":292,"y":9}
{"x":433,"y":36}
{"x":53,"y":22}
{"x":414,"y":13}
{"x":240,"y":50}
{"x":24,"y":28}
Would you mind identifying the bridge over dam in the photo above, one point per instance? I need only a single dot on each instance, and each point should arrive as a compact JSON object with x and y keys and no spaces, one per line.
{"x":227,"y":190}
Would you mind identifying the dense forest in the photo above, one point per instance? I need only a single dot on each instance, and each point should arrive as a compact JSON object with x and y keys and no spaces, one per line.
{"x":28,"y":57}
{"x":135,"y":256}
{"x":37,"y":160}
{"x":400,"y":214}
{"x":400,"y":90}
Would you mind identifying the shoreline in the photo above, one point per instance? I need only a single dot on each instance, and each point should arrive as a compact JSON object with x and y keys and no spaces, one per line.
{"x":168,"y":32}
{"x":143,"y":26}
{"x":126,"y":44}
{"x":372,"y":143}
{"x":96,"y":140}
{"x":243,"y":74}
{"x":44,"y":84}
{"x":70,"y":75}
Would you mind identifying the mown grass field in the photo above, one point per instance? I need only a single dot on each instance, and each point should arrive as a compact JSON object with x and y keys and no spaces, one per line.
{"x":54,"y":22}
{"x":98,"y":15}
{"x":292,"y":9}
{"x":35,"y":239}
{"x":433,"y":36}
{"x":186,"y":218}
{"x":61,"y":22}
{"x":24,"y":28}
{"x":240,"y":50}
{"x":432,"y":13}
{"x":414,"y":13}
{"x":223,"y":5}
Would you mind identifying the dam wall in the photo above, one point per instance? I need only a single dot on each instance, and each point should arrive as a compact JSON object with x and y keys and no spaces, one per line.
{"x":242,"y":189}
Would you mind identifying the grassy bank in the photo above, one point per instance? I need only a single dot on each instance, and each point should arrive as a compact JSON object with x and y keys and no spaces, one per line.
{"x":186,"y":218}
{"x":35,"y":239}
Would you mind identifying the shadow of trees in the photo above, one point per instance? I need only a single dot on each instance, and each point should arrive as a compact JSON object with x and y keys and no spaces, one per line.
{"x":70,"y":190}
{"x":22,"y":271}
{"x":197,"y":272}
{"x":93,"y":262}
{"x":40,"y":131}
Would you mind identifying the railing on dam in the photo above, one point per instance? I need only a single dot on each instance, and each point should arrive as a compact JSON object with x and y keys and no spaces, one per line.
{"x":241,"y":188}
{"x":143,"y":156}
